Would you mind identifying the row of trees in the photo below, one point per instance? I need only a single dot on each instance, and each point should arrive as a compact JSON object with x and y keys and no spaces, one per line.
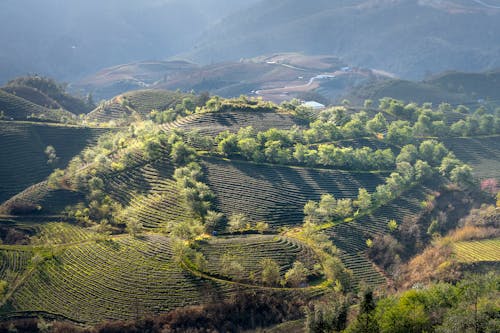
{"x":284,"y":147}
{"x":413,"y":165}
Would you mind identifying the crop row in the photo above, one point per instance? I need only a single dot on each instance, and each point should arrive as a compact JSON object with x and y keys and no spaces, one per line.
{"x":249,"y":251}
{"x":118,"y":279}
{"x":474,"y":251}
{"x":13,"y":263}
{"x":277,"y":194}
{"x":20,"y":109}
{"x":54,"y":233}
{"x":144,"y":101}
{"x":111,"y":111}
{"x":24,"y":162}
{"x":149,"y":194}
{"x":214,"y":123}
{"x":482,"y":154}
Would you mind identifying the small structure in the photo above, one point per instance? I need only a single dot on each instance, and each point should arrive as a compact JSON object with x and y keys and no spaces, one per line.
{"x":314,"y":105}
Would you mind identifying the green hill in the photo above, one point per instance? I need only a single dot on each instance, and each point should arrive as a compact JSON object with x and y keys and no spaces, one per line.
{"x":146,"y":221}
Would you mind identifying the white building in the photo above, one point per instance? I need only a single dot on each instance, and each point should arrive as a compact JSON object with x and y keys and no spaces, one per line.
{"x":314,"y":105}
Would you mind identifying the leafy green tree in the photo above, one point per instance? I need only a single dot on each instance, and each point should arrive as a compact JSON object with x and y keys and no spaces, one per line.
{"x":335,"y":271}
{"x":52,"y":158}
{"x":297,"y":275}
{"x":134,"y":227}
{"x":229,"y":145}
{"x":237,"y":222}
{"x":364,"y":200}
{"x":423,"y":170}
{"x":249,"y":148}
{"x":327,"y":207}
{"x":462,"y":176}
{"x":399,"y":133}
{"x":377,"y":124}
{"x":231,"y":267}
{"x":261,"y":227}
{"x":311,"y":212}
{"x":409,"y":153}
{"x":404,"y":315}
{"x":270,"y":272}
{"x":344,"y":208}
{"x":392,"y":225}
{"x":182,"y":154}
{"x":213,"y":219}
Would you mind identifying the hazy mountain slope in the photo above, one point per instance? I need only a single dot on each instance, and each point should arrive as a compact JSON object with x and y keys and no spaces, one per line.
{"x":68,"y":39}
{"x":470,"y":89}
{"x":419,"y":37}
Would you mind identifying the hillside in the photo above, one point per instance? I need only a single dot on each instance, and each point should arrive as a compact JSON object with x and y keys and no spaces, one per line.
{"x":71,"y":40}
{"x":469,"y":89}
{"x":24,"y":161}
{"x":357,"y":32}
{"x":207,"y":199}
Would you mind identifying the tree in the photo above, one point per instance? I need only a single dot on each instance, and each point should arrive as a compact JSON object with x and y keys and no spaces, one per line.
{"x":52,"y":158}
{"x":462,"y":175}
{"x":261,"y":227}
{"x":311,"y":212}
{"x":134,"y":227}
{"x":229,"y":145}
{"x":344,"y":208}
{"x":270,"y":272}
{"x":237,"y":222}
{"x":423,"y":170}
{"x":212,"y":219}
{"x":327,"y":207}
{"x":297,"y":275}
{"x":378,"y":124}
{"x":249,"y":148}
{"x":182,"y":154}
{"x":335,"y":271}
{"x":364,"y":199}
{"x":392,"y":225}
{"x":231,"y":267}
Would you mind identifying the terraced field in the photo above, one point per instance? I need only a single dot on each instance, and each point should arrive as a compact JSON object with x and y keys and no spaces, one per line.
{"x":277,"y":194}
{"x":350,"y":238}
{"x":23,"y":161}
{"x":144,"y":101}
{"x":42,"y":199}
{"x":57,"y":233}
{"x":149,"y":193}
{"x":478,"y":251}
{"x":249,"y":251}
{"x":214,"y":123}
{"x":482,"y":154}
{"x":110,"y":111}
{"x":18,"y":108}
{"x":123,"y":278}
{"x":12,"y":264}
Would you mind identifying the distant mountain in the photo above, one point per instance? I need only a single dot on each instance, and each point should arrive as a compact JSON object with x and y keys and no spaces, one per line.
{"x":70,"y":39}
{"x":407,"y":37}
{"x":277,"y":77}
{"x":470,"y":89}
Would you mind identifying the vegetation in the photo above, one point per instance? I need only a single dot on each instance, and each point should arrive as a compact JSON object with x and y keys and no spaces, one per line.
{"x":166,"y":220}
